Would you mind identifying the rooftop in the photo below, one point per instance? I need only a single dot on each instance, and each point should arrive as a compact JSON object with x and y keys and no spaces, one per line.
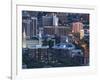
{"x":68,"y":46}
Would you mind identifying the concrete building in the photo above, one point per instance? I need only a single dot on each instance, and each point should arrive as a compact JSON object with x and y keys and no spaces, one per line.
{"x":76,"y":27}
{"x":34,"y":27}
{"x":39,"y":54}
{"x":30,"y":26}
{"x":26,"y":26}
{"x":50,"y":25}
{"x":50,"y":20}
{"x":60,"y":30}
{"x":47,"y":20}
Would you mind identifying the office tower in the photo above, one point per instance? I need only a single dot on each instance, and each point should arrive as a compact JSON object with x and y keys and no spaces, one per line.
{"x":49,"y":30}
{"x":30,"y":26}
{"x":76,"y":27}
{"x":33,"y":29}
{"x":63,"y":19}
{"x":26,"y":25}
{"x":47,"y":20}
{"x":60,"y":30}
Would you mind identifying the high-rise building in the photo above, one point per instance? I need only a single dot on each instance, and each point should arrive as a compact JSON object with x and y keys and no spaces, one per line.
{"x":50,"y":20}
{"x":26,"y":26}
{"x":47,"y":21}
{"x":63,"y":19}
{"x":49,"y":30}
{"x":59,"y":30}
{"x":76,"y":27}
{"x":33,"y":29}
{"x":51,"y":26}
{"x":30,"y":26}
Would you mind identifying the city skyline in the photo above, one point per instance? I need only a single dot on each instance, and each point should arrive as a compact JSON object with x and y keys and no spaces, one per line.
{"x":54,"y":39}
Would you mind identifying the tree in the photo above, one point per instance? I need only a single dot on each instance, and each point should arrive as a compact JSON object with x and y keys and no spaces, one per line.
{"x":45,"y":42}
{"x":51,"y":43}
